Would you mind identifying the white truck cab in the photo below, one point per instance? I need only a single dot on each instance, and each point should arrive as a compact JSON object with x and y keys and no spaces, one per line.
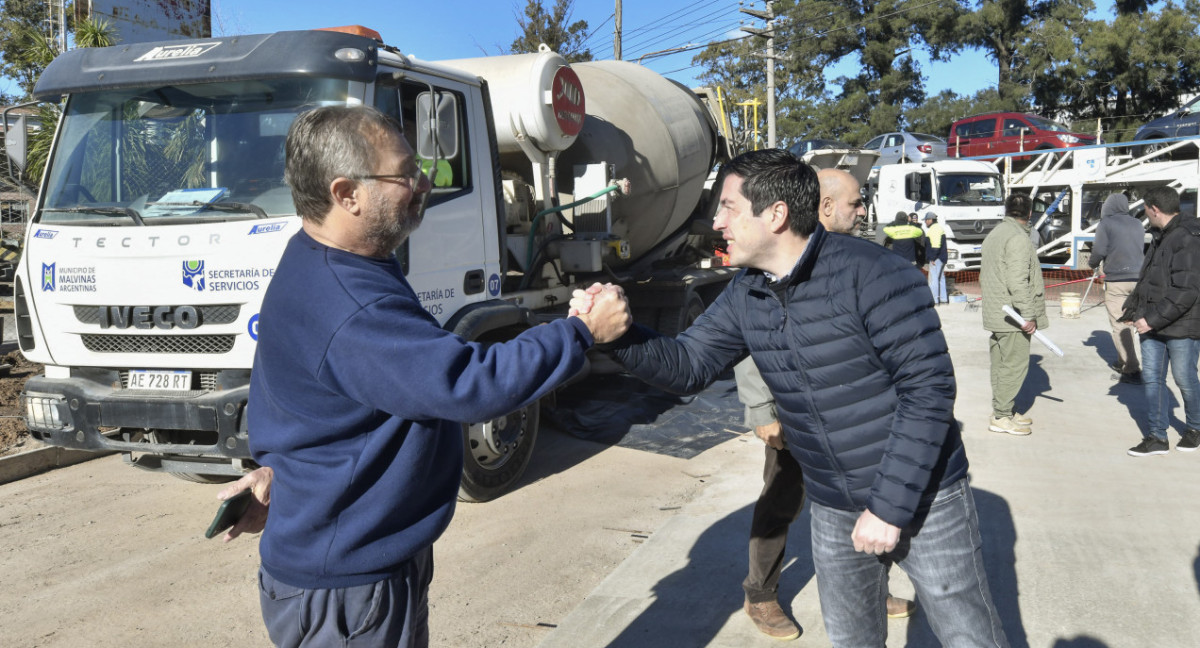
{"x":966,"y":195}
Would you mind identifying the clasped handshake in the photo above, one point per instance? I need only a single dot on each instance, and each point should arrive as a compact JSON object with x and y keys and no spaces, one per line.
{"x":604,"y":309}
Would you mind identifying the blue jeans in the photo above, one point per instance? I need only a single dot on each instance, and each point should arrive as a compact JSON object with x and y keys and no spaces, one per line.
{"x":942,"y":555}
{"x":1182,"y":354}
{"x":393,"y":612}
{"x":937,"y":281}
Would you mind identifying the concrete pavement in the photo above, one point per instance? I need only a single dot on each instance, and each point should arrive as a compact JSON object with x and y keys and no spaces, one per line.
{"x":1085,"y":546}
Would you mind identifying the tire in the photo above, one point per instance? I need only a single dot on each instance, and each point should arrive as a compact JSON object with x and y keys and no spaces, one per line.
{"x":673,"y":321}
{"x":1152,"y":147}
{"x":197,"y":478}
{"x":496,"y":453}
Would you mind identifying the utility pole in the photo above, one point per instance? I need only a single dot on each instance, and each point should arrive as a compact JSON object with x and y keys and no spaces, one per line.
{"x":769,"y":34}
{"x":617,"y":34}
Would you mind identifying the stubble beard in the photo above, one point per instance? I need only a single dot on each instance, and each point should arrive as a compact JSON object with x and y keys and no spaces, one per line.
{"x":389,"y":224}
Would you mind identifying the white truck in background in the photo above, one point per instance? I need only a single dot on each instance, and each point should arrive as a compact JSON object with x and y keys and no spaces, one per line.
{"x":163,"y":213}
{"x":966,"y":195}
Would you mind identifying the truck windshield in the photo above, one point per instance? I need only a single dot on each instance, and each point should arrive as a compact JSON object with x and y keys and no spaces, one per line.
{"x":969,"y":189}
{"x":163,"y":154}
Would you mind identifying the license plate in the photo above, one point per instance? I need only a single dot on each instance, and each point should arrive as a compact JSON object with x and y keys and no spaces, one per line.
{"x":160,"y":379}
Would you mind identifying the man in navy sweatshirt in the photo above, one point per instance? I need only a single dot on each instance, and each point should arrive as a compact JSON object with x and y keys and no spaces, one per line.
{"x":355,"y":398}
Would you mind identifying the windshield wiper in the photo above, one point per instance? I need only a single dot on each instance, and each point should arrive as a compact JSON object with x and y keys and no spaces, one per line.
{"x":219,"y":206}
{"x":236,"y":207}
{"x":107,"y":211}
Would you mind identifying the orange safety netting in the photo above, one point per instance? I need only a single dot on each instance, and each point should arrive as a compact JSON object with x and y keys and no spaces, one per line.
{"x":1057,"y":282}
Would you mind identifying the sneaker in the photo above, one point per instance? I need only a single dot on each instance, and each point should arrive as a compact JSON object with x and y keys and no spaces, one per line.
{"x":1150,"y":446}
{"x":1189,"y":442}
{"x":898,"y":608}
{"x":771,"y":620}
{"x":1007,"y":425}
{"x":1131,"y":378}
{"x":1022,"y":420}
{"x":1116,"y":367}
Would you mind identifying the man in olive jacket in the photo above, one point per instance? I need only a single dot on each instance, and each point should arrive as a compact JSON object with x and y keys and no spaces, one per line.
{"x":1011,"y":275}
{"x":1165,"y":309}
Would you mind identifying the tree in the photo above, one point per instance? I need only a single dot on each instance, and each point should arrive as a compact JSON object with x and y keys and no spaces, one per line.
{"x":880,"y":38}
{"x":1128,"y":71}
{"x":95,"y":33}
{"x":21,"y":24}
{"x":555,"y":29}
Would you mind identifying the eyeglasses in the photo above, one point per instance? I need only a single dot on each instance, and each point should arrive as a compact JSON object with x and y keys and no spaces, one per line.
{"x":411,"y":179}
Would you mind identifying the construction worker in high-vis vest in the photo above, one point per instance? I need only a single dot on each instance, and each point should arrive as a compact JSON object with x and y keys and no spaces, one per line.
{"x":905,"y":239}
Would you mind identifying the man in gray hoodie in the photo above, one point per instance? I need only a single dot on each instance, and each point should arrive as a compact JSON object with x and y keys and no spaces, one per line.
{"x":1120,"y":239}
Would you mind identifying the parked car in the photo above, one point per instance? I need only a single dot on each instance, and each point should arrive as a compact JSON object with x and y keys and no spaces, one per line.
{"x":907,"y":147}
{"x":804,"y":146}
{"x":1181,"y":123}
{"x":1010,"y":132}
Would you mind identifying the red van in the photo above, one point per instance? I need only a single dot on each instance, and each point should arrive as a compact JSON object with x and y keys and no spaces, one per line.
{"x":1010,"y":132}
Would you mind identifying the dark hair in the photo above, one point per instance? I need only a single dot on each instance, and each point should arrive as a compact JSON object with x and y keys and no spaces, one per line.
{"x":327,"y":143}
{"x":1018,"y":206}
{"x":900,"y":219}
{"x":773,"y":175}
{"x":1164,"y":199}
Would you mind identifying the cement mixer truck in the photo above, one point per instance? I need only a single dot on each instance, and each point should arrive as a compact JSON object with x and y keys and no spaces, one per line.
{"x":163,"y":213}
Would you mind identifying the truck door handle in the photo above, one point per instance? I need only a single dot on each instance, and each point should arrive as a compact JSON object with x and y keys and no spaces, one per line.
{"x":473,"y":282}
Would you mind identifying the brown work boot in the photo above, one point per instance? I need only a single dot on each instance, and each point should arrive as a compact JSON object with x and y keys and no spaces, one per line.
{"x":898,"y":608}
{"x":772,"y":620}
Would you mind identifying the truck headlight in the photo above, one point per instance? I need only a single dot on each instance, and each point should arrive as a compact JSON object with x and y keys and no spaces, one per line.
{"x":952,"y":254}
{"x":1068,"y":139}
{"x":42,"y":413}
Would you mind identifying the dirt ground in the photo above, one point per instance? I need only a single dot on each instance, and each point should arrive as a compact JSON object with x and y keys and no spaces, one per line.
{"x":14,"y":370}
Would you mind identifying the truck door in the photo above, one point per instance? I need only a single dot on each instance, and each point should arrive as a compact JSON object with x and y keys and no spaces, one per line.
{"x":446,"y":260}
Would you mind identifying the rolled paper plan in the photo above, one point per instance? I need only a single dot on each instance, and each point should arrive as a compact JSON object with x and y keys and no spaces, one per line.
{"x":1041,"y":337}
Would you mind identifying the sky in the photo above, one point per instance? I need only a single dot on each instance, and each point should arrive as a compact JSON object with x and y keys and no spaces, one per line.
{"x":446,"y":29}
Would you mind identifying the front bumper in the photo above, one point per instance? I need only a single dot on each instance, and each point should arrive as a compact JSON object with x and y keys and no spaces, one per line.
{"x":91,"y":411}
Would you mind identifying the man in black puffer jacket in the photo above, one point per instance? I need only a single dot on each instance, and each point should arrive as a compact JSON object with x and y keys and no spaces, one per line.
{"x":1165,"y":309}
{"x":849,"y":344}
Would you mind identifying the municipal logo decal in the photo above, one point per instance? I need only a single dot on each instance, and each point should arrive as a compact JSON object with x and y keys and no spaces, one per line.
{"x":48,"y":277}
{"x":193,"y":274}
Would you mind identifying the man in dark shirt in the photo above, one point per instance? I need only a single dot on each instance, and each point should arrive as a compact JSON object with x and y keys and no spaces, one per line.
{"x":355,"y":401}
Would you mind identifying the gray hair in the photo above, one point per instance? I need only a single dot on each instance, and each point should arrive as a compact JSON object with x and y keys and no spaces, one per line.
{"x":327,"y":143}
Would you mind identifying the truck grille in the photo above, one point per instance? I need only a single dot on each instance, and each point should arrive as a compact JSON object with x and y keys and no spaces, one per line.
{"x":972,"y":231}
{"x":210,"y":344}
{"x":209,"y":313}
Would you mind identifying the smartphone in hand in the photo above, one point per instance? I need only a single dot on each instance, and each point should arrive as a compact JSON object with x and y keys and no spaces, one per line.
{"x":229,"y":513}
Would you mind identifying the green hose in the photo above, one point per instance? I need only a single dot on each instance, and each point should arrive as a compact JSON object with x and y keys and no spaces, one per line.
{"x":550,"y":210}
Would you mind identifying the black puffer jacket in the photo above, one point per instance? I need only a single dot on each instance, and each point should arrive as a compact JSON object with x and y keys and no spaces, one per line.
{"x":1168,"y":289}
{"x":853,"y":352}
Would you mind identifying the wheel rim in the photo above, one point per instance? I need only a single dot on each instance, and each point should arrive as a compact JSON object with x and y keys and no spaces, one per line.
{"x":494,"y":442}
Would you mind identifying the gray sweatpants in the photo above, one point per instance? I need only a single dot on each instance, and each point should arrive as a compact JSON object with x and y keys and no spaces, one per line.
{"x":393,"y":612}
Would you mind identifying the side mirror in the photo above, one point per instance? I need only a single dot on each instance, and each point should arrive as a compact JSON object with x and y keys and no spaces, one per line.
{"x":437,"y":126}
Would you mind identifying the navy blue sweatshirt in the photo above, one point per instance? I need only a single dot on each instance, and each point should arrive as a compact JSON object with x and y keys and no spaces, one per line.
{"x":354,"y":402}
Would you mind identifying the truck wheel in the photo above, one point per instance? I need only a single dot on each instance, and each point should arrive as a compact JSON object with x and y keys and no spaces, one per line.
{"x":496,"y":452}
{"x":673,"y":321}
{"x":197,"y":478}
